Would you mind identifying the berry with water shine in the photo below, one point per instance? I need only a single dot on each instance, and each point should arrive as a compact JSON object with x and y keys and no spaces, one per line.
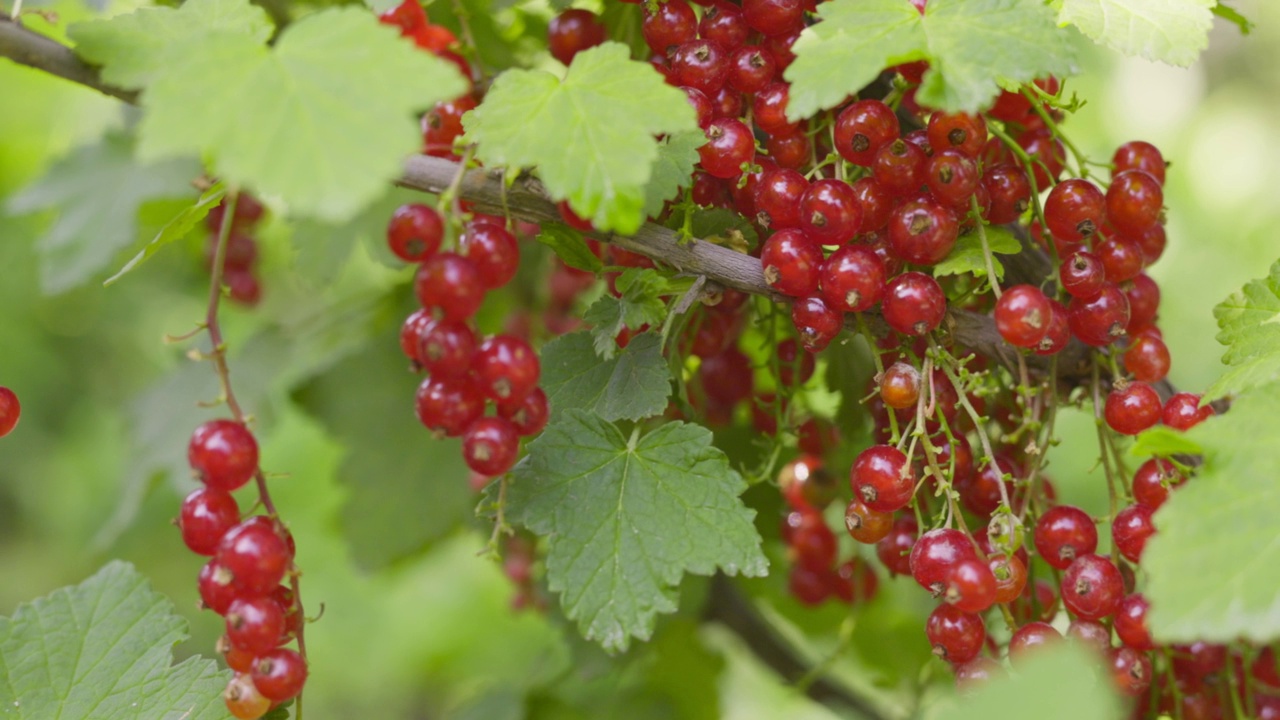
{"x":224,"y":454}
{"x":207,"y":514}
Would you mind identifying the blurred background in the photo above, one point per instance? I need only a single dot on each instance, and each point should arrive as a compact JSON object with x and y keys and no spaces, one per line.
{"x":423,"y":628}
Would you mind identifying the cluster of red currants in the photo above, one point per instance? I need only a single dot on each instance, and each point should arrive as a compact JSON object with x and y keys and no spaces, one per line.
{"x":10,"y":410}
{"x":241,"y":253}
{"x":251,"y":558}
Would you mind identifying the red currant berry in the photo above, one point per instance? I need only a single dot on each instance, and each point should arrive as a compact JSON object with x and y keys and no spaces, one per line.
{"x":571,"y":32}
{"x":451,"y":283}
{"x":780,"y":47}
{"x":961,"y":131}
{"x":1121,"y":259}
{"x":1131,"y":671}
{"x":862,"y":129}
{"x":769,"y":110}
{"x":1092,"y":587}
{"x":971,"y":586}
{"x":1139,"y":155}
{"x":1091,"y":634}
{"x":1130,"y":530}
{"x":830,"y":212}
{"x":1147,"y":359}
{"x":257,"y":554}
{"x":207,"y":514}
{"x":894,"y":550}
{"x":853,"y":279}
{"x":443,"y":124}
{"x":792,"y":263}
{"x":751,"y":69}
{"x":236,"y":659}
{"x":935,"y":554}
{"x":1010,"y":573}
{"x":1022,"y":315}
{"x":10,"y":410}
{"x":418,"y":322}
{"x":529,"y":416}
{"x":866,"y":525}
{"x":777,"y":198}
{"x":1047,"y":156}
{"x":279,"y":674}
{"x":448,"y":406}
{"x":774,"y":17}
{"x":493,"y":250}
{"x":445,"y":348}
{"x":1074,"y":210}
{"x":216,"y":590}
{"x":882,"y":478}
{"x":1183,"y":411}
{"x":490,"y":446}
{"x":1134,"y":201}
{"x":243,"y":700}
{"x":1082,"y":275}
{"x":505,"y":368}
{"x":900,"y":167}
{"x":669,"y":24}
{"x":1102,"y":319}
{"x":724,"y":24}
{"x":922,"y":232}
{"x":1031,"y":636}
{"x":1059,"y":333}
{"x":1131,"y":623}
{"x":808,"y":586}
{"x":900,"y":386}
{"x":792,"y":152}
{"x":816,"y":324}
{"x":1010,"y":193}
{"x":813,"y":545}
{"x":1063,"y":534}
{"x":952,"y":178}
{"x":1132,"y":408}
{"x":914,"y":304}
{"x":414,"y":232}
{"x":730,"y":145}
{"x":976,"y":673}
{"x":795,"y":366}
{"x":876,"y":202}
{"x":956,"y":636}
{"x":255,"y":625}
{"x":701,"y":64}
{"x":224,"y":454}
{"x":1144,"y":301}
{"x":982,"y":494}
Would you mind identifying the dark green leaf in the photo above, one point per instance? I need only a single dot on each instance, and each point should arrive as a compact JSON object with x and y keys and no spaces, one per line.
{"x":633,"y":385}
{"x":673,"y":170}
{"x":641,"y":304}
{"x":569,"y":246}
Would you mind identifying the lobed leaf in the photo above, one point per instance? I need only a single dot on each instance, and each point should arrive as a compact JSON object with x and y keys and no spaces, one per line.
{"x":632,"y":385}
{"x":1249,"y":326}
{"x":1171,"y":31}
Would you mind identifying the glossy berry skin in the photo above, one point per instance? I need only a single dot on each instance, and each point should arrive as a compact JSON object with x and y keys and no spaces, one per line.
{"x":1059,"y":333}
{"x":882,"y":479}
{"x":900,"y":386}
{"x":1131,"y":671}
{"x":813,"y":545}
{"x":792,"y":263}
{"x":451,"y":283}
{"x":1134,"y":201}
{"x":571,"y":32}
{"x":505,"y":368}
{"x":730,"y":144}
{"x":894,"y":550}
{"x":1074,"y":210}
{"x":1010,"y":573}
{"x":769,"y":109}
{"x":830,"y":212}
{"x":1091,"y":634}
{"x":257,"y":555}
{"x":1132,"y":408}
{"x":529,"y":415}
{"x":981,"y":495}
{"x":1183,"y":411}
{"x":1045,"y":151}
{"x":922,"y":232}
{"x":1022,"y":315}
{"x":815,"y":323}
{"x":1092,"y":587}
{"x":970,"y":586}
{"x":1153,"y":481}
{"x":1130,"y":530}
{"x":214,"y":585}
{"x":255,"y":624}
{"x":1031,"y":636}
{"x":1121,"y":259}
{"x":279,"y":674}
{"x":952,"y":178}
{"x":751,"y":68}
{"x":414,"y":232}
{"x":900,"y":167}
{"x":808,"y":586}
{"x":976,"y":673}
{"x":443,"y":124}
{"x":866,"y":525}
{"x":724,"y":24}
{"x":777,"y":198}
{"x":914,"y":304}
{"x":671,"y":24}
{"x":411,"y":333}
{"x":490,"y":446}
{"x":935,"y":554}
{"x":207,"y":514}
{"x":1131,"y":623}
{"x":493,"y":250}
{"x":1010,"y":193}
{"x":10,"y":410}
{"x":223,"y":453}
{"x":862,"y":129}
{"x":701,"y":64}
{"x":1139,"y":155}
{"x":1063,"y":534}
{"x":243,"y":700}
{"x":1147,"y":359}
{"x":961,"y":131}
{"x":956,"y":636}
{"x":1082,"y":275}
{"x":876,"y":202}
{"x":448,"y":406}
{"x":853,"y":279}
{"x":445,"y":348}
{"x":792,"y":152}
{"x":1144,"y":301}
{"x":1100,"y":320}
{"x":773,"y":17}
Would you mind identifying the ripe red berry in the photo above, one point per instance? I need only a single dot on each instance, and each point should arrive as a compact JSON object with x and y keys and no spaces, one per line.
{"x":730,"y":144}
{"x":451,"y":283}
{"x":1010,"y":573}
{"x":243,"y":700}
{"x":223,"y":453}
{"x":1183,"y":411}
{"x":448,"y":406}
{"x":701,"y":64}
{"x":816,"y":323}
{"x":257,"y":554}
{"x":935,"y":554}
{"x":830,"y":212}
{"x":900,"y":386}
{"x":1132,"y":408}
{"x":669,"y":24}
{"x":793,"y":151}
{"x":1131,"y":623}
{"x":1092,"y":587}
{"x":1047,"y":155}
{"x":490,"y":446}
{"x":1121,"y":259}
{"x":1147,"y":359}
{"x":1059,"y":332}
{"x":418,"y":322}
{"x":876,"y":202}
{"x":914,"y":304}
{"x":1139,"y":155}
{"x":751,"y":68}
{"x":1010,"y":193}
{"x":443,"y":124}
{"x":900,"y":167}
{"x":792,"y":263}
{"x":813,"y":545}
{"x":866,"y":525}
{"x":1063,"y":534}
{"x":1023,"y":315}
{"x":216,"y":590}
{"x":774,"y":17}
{"x":445,"y":348}
{"x":777,"y":198}
{"x":882,"y":478}
{"x":769,"y":109}
{"x":279,"y":674}
{"x":862,"y":129}
{"x":894,"y":550}
{"x":922,"y":232}
{"x":1099,"y":320}
{"x":255,"y":624}
{"x":1134,"y":202}
{"x":956,"y":636}
{"x":961,"y":131}
{"x":1031,"y":636}
{"x":852,"y":279}
{"x":1144,"y":301}
{"x":493,"y":250}
{"x":724,"y":24}
{"x":505,"y":368}
{"x":952,"y":178}
{"x":207,"y":514}
{"x":1074,"y":210}
{"x":10,"y":409}
{"x":571,"y":32}
{"x":1082,"y":275}
{"x":529,"y":416}
{"x":414,"y":232}
{"x":970,"y":586}
{"x":982,"y":495}
{"x":1130,"y":530}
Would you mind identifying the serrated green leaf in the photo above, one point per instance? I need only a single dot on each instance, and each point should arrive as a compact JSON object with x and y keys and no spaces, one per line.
{"x":1214,"y":563}
{"x":971,"y":45}
{"x":176,"y":229}
{"x":103,"y":650}
{"x":96,"y":191}
{"x":1249,"y":326}
{"x":673,"y":170}
{"x":626,"y":518}
{"x":967,"y":256}
{"x":716,"y":223}
{"x":134,"y":49}
{"x":1162,"y":441}
{"x":640,"y":304}
{"x":1061,"y":683}
{"x":590,"y":135}
{"x":569,"y":246}
{"x":322,"y":119}
{"x":1171,"y":31}
{"x":633,"y":385}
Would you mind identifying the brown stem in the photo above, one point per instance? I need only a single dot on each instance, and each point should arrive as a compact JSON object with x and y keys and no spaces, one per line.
{"x":37,"y":51}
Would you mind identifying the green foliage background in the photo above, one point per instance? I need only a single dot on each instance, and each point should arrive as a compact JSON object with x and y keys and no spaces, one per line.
{"x":415,"y":625}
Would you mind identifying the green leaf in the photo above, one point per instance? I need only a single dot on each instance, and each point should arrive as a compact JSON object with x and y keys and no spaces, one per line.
{"x":633,"y":385}
{"x":569,"y":246}
{"x":1060,"y":682}
{"x":1214,"y":562}
{"x":1171,"y":31}
{"x":1231,"y":15}
{"x":967,"y":257}
{"x":673,"y":170}
{"x":641,"y":303}
{"x":322,"y":119}
{"x":1249,"y":325}
{"x":1163,"y":441}
{"x":971,"y":46}
{"x":176,"y":229}
{"x":96,"y":191}
{"x":324,"y":249}
{"x":590,"y":136}
{"x":103,"y":650}
{"x":136,"y":48}
{"x":625,"y":518}
{"x":716,"y":224}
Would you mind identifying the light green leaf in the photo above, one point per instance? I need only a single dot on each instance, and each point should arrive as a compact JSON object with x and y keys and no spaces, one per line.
{"x":1171,"y":31}
{"x":103,"y":650}
{"x":323,"y":249}
{"x":1162,"y":441}
{"x":641,"y":304}
{"x":967,"y":257}
{"x":722,"y":223}
{"x":971,"y":46}
{"x":1249,"y":326}
{"x":673,"y":170}
{"x":96,"y":191}
{"x":176,"y":229}
{"x":569,"y":246}
{"x":134,"y":49}
{"x":1214,"y":563}
{"x":633,"y":385}
{"x":322,"y":119}
{"x":626,"y":518}
{"x":590,"y":135}
{"x":1061,"y":683}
